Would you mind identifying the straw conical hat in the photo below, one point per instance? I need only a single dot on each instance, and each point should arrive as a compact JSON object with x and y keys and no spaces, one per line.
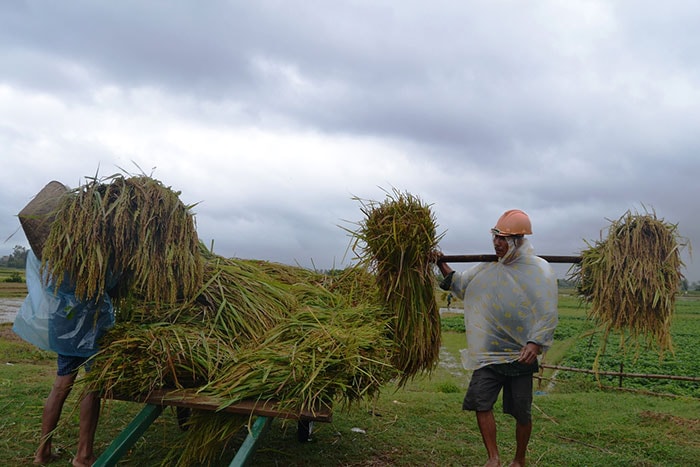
{"x":37,"y":216}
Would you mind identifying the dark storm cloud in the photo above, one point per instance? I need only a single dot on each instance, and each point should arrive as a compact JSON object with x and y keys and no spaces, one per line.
{"x":375,"y":70}
{"x":573,"y":111}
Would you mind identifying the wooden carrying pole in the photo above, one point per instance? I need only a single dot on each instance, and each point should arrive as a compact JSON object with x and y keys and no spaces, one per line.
{"x":488,"y":258}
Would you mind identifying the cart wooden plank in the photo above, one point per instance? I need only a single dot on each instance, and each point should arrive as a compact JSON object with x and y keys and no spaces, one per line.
{"x":189,"y":398}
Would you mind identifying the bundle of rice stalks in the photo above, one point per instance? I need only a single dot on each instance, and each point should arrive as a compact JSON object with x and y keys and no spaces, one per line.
{"x":631,"y":279}
{"x":355,"y":283}
{"x":395,"y":241}
{"x":317,"y":356}
{"x":243,"y":301}
{"x":139,"y":359}
{"x":250,"y":335}
{"x":133,"y":234}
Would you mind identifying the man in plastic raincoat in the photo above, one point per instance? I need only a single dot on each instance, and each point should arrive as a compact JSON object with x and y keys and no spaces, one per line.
{"x":510,"y":313}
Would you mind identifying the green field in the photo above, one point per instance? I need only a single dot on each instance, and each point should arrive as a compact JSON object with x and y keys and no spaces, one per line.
{"x":12,"y":289}
{"x":578,"y":420}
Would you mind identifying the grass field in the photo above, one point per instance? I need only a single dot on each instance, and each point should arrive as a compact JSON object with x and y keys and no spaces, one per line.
{"x":577,"y":421}
{"x":11,"y":289}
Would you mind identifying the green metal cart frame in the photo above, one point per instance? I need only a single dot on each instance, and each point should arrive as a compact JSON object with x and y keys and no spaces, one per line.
{"x":263,"y":412}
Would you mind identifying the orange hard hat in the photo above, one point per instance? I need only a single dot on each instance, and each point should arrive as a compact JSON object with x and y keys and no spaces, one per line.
{"x":513,"y":222}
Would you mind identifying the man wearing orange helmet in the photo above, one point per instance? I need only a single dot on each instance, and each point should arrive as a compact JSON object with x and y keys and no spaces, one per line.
{"x":510,"y":313}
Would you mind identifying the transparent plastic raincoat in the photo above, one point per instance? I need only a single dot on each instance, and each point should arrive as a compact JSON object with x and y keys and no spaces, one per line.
{"x":506,"y":305}
{"x":56,"y":320}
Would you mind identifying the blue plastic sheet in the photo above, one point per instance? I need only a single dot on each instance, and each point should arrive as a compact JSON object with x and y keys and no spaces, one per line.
{"x":56,"y":320}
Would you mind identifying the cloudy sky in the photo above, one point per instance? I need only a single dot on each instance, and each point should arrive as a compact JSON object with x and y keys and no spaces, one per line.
{"x":275,"y":116}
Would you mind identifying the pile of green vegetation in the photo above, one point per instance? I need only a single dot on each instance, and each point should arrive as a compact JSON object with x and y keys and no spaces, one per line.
{"x":235,"y":329}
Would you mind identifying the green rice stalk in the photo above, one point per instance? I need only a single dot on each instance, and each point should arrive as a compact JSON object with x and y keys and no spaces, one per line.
{"x":243,"y":300}
{"x":309,"y":360}
{"x":140,"y":359}
{"x":394,"y":241}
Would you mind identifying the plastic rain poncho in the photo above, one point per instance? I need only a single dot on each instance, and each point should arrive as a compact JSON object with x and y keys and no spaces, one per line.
{"x":506,"y":305}
{"x":56,"y":320}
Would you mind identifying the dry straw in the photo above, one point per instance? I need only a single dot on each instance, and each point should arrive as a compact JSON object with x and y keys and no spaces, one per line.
{"x":395,"y":241}
{"x":631,"y":279}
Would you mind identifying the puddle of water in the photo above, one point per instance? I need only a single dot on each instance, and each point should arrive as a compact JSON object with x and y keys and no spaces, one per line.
{"x":9,"y":308}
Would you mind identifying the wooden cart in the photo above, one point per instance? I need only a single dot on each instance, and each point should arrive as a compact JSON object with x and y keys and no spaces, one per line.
{"x":262,"y":412}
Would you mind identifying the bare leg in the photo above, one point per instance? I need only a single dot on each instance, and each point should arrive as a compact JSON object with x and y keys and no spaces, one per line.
{"x":52,"y":413}
{"x":89,"y":416}
{"x":487,"y":427}
{"x":522,"y":438}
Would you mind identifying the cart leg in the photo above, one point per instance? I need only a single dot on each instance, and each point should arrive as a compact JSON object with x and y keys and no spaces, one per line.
{"x":304,"y":429}
{"x":129,"y":436}
{"x":245,"y":452}
{"x":183,"y":417}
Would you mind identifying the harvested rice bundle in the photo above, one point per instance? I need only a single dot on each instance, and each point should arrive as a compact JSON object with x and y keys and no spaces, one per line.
{"x":237,"y":299}
{"x":244,"y":320}
{"x":249,"y":335}
{"x":354,"y":283}
{"x":357,"y":285}
{"x":289,"y":274}
{"x":631,"y":279}
{"x":139,"y":359}
{"x":243,"y":301}
{"x":310,"y":360}
{"x":132,"y":233}
{"x":395,"y":241}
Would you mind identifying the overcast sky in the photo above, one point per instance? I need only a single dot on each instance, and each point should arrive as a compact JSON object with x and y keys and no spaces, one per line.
{"x":275,"y":115}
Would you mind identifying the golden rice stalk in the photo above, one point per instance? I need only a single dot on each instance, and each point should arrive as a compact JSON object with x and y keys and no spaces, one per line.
{"x":129,"y":234}
{"x":310,"y":360}
{"x":140,"y":359}
{"x":243,"y":301}
{"x":394,"y":241}
{"x":631,"y":279}
{"x":210,"y":437}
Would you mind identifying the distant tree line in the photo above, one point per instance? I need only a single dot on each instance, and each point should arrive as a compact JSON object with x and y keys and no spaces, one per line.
{"x":16,"y":259}
{"x":684,"y":286}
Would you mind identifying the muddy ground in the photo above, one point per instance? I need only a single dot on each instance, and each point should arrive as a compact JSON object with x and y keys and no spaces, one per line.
{"x":9,"y":308}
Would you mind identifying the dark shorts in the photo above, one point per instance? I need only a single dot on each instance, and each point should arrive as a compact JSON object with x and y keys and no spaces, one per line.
{"x":485,"y":386}
{"x":68,"y":364}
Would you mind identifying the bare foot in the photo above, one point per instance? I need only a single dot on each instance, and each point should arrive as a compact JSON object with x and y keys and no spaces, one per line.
{"x":517,"y":464}
{"x":83,"y":462}
{"x":43,"y":459}
{"x":495,"y":462}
